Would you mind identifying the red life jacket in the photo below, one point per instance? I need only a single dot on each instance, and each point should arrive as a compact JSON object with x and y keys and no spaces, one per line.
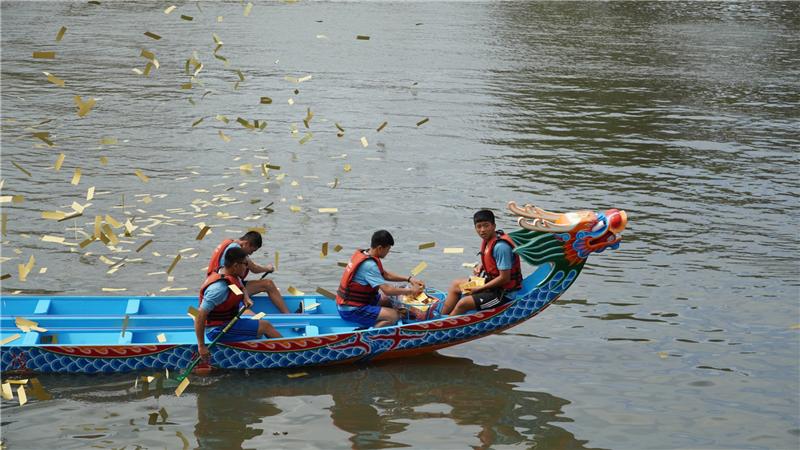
{"x":354,"y":294}
{"x":214,"y":265}
{"x":490,"y":265}
{"x":225,"y":311}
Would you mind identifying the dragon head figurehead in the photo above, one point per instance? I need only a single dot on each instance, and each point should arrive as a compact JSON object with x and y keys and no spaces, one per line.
{"x":579,"y":233}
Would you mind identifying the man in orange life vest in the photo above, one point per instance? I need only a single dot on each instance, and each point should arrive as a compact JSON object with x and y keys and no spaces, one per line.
{"x":219,"y":303}
{"x":250,"y":242}
{"x":359,"y":296}
{"x":501,"y":266}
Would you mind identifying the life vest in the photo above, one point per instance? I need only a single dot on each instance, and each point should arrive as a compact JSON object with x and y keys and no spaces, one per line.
{"x":225,"y":311}
{"x":354,"y":294}
{"x":490,"y":265}
{"x":214,"y":265}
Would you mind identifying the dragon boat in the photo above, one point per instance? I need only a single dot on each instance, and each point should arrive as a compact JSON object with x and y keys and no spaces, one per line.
{"x":106,"y":334}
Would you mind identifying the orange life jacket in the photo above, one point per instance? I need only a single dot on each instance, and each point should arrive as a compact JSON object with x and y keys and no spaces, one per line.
{"x":225,"y":311}
{"x":354,"y":294}
{"x":490,"y":265}
{"x":216,"y":257}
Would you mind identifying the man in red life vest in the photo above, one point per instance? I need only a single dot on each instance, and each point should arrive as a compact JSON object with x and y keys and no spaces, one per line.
{"x":250,"y":242}
{"x":219,"y":303}
{"x":359,"y":296}
{"x":501,"y":266}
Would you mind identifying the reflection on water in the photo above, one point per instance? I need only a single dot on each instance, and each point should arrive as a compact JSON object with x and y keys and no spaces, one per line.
{"x":438,"y":401}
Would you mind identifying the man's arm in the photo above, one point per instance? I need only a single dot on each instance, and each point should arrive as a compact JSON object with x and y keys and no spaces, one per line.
{"x":389,"y":289}
{"x":257,"y":268}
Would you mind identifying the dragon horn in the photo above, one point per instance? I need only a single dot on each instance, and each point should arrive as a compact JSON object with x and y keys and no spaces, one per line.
{"x":542,"y":225}
{"x":532,"y":212}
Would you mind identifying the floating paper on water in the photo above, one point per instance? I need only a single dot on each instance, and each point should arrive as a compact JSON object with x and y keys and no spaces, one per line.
{"x":5,"y":276}
{"x":152,"y":35}
{"x":306,"y":138}
{"x":247,"y":9}
{"x":197,"y":122}
{"x":103,"y":160}
{"x":56,"y":239}
{"x":112,"y":221}
{"x":235,"y":289}
{"x":337,"y":248}
{"x":422,"y":121}
{"x":22,"y":169}
{"x":294,"y":208}
{"x":182,"y":387}
{"x":246,"y":167}
{"x":347,"y":167}
{"x":54,"y":79}
{"x":163,"y":413}
{"x":162,"y":338}
{"x":152,"y":419}
{"x":329,"y":210}
{"x":44,"y":136}
{"x":44,"y":55}
{"x":83,"y":107}
{"x":185,"y":17}
{"x":3,"y":223}
{"x":186,"y":85}
{"x":294,"y":291}
{"x":148,"y":242}
{"x":382,"y":126}
{"x":202,"y":233}
{"x":59,"y":161}
{"x":25,"y":269}
{"x":60,"y":34}
{"x":341,"y":264}
{"x":7,"y":393}
{"x":418,"y":269}
{"x":276,"y":260}
{"x":453,"y":250}
{"x":141,"y":176}
{"x":21,"y":381}
{"x":9,"y":339}
{"x":23,"y":398}
{"x":174,"y":262}
{"x":324,"y":250}
{"x":427,"y":245}
{"x":170,"y":9}
{"x":364,"y":142}
{"x":89,"y":194}
{"x":224,"y":137}
{"x":326,"y":293}
{"x":266,"y":100}
{"x":39,"y":391}
{"x":362,"y":37}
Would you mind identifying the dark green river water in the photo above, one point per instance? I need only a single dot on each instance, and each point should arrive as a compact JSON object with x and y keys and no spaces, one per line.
{"x":683,"y":114}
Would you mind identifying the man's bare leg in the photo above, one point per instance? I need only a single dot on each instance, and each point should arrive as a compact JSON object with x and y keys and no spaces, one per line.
{"x":453,"y":294}
{"x":257,"y":286}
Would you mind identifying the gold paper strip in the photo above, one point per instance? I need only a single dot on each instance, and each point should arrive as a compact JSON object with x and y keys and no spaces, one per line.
{"x":60,"y":34}
{"x":427,"y":245}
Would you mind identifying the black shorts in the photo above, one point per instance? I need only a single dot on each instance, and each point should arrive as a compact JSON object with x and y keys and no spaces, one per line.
{"x":490,"y":299}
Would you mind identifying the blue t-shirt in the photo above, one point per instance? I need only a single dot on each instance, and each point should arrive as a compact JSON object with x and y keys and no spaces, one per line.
{"x":230,"y":246}
{"x":504,"y":258}
{"x":368,"y":273}
{"x":215,"y":295}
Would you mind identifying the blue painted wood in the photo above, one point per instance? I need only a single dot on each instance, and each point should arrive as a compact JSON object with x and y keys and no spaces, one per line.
{"x":42,"y":306}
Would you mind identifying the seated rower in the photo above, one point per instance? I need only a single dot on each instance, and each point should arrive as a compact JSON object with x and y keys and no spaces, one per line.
{"x":500,"y":264}
{"x":250,"y":242}
{"x":363,"y":292}
{"x":219,"y":305}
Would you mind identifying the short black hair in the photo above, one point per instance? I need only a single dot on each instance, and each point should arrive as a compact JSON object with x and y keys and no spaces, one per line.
{"x":381,"y":238}
{"x":253,"y":237}
{"x":483,"y":215}
{"x":234,"y":255}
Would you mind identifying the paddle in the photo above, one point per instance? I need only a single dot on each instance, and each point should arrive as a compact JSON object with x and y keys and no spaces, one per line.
{"x":186,"y":372}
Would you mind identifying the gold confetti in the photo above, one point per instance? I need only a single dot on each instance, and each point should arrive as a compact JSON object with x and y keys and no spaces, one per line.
{"x":25,"y":269}
{"x":185,"y":17}
{"x":90,"y":193}
{"x":202,"y":233}
{"x":266,"y":100}
{"x":348,"y":168}
{"x":186,"y":85}
{"x":277,"y":255}
{"x":469,"y":265}
{"x":54,"y":79}
{"x":107,"y":289}
{"x":364,"y":142}
{"x":59,"y":161}
{"x":44,"y":55}
{"x":9,"y":339}
{"x":182,"y":387}
{"x":382,"y":126}
{"x":174,"y":262}
{"x":663,"y":355}
{"x":5,"y":276}
{"x":23,"y":398}
{"x":337,"y":248}
{"x":453,"y":250}
{"x":294,"y":208}
{"x":108,"y":141}
{"x":56,"y":239}
{"x":341,"y":264}
{"x":197,"y":122}
{"x":3,"y":223}
{"x":103,"y":160}
{"x":235,"y":289}
{"x":141,"y":247}
{"x":328,"y":210}
{"x":113,"y":222}
{"x":163,"y":412}
{"x":86,"y":242}
{"x":170,"y":9}
{"x":6,"y":388}
{"x":224,"y":137}
{"x":21,"y":169}
{"x":84,"y":107}
{"x":60,"y":34}
{"x":76,"y":177}
{"x":362,"y":37}
{"x":294,"y":291}
{"x":192,"y":311}
{"x":306,"y":138}
{"x":418,"y":269}
{"x":297,"y":375}
{"x":324,"y":251}
{"x":44,"y":136}
{"x":247,"y":9}
{"x":38,"y":390}
{"x":258,"y":316}
{"x":422,"y":121}
{"x":326,"y":293}
{"x":427,"y":245}
{"x":152,"y":35}
{"x":152,"y":418}
{"x":162,"y":338}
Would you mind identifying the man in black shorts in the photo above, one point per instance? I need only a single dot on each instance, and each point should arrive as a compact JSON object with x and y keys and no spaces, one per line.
{"x":500,"y":265}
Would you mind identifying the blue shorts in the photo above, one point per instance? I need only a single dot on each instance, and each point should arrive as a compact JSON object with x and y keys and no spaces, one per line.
{"x":365,"y":316}
{"x":245,"y":329}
